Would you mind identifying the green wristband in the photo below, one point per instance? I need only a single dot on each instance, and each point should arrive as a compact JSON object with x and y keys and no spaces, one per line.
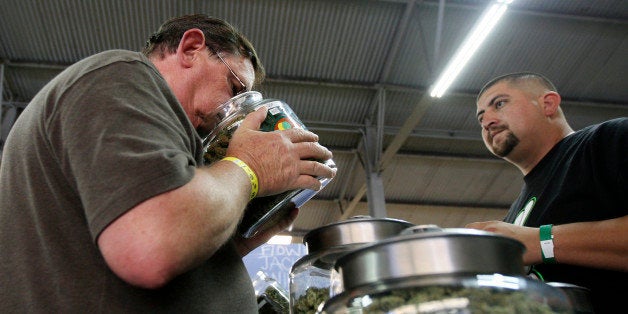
{"x":547,"y":244}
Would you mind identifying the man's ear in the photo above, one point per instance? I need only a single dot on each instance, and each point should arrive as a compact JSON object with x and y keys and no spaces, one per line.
{"x":551,"y":102}
{"x":192,"y":43}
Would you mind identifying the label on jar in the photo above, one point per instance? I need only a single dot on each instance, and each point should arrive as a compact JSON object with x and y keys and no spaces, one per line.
{"x":280,"y":118}
{"x":276,"y":119}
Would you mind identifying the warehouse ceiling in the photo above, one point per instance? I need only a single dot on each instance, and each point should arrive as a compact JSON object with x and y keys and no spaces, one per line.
{"x":356,"y":73}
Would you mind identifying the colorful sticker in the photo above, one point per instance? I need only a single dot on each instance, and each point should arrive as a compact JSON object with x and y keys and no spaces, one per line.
{"x":283,"y":124}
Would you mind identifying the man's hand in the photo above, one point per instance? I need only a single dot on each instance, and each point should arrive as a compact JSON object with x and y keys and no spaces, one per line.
{"x":527,"y":235}
{"x":282,"y":160}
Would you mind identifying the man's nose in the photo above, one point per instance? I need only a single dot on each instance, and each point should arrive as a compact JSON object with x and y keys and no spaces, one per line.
{"x":488,"y":119}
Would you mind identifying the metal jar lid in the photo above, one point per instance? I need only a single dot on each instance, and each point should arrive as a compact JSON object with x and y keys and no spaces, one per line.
{"x":355,"y":230}
{"x":327,"y":243}
{"x":439,"y":252}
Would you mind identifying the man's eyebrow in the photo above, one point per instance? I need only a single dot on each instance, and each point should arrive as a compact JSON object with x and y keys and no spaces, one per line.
{"x":480,"y":112}
{"x":492,"y":102}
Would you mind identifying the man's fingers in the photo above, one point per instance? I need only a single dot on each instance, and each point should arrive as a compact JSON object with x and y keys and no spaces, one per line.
{"x":313,"y":150}
{"x":310,"y":170}
{"x":254,"y":119}
{"x":316,"y":169}
{"x":297,"y":135}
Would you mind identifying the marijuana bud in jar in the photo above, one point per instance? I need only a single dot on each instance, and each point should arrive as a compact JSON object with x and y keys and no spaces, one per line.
{"x":271,"y":297}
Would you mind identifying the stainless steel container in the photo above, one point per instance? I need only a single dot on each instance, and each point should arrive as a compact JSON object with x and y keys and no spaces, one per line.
{"x":261,"y":212}
{"x":312,"y":280}
{"x":441,"y":271}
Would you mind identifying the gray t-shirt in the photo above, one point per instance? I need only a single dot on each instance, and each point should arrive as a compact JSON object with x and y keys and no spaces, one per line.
{"x":104,"y":135}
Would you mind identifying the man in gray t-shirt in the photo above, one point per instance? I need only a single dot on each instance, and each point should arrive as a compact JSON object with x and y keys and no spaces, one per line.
{"x":106,"y":205}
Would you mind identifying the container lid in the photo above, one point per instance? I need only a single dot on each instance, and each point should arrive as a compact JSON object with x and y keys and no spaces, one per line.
{"x":439,"y":252}
{"x":355,"y":230}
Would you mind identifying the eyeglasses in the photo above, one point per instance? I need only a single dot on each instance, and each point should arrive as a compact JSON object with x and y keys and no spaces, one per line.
{"x":243,"y":89}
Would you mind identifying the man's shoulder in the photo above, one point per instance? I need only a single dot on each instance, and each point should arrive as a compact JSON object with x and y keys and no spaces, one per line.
{"x":606,"y":130}
{"x":117,"y":54}
{"x":109,"y":64}
{"x":608,"y":125}
{"x":615,"y":124}
{"x":109,"y":57}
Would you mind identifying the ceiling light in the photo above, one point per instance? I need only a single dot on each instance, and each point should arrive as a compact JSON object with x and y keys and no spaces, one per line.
{"x":489,"y":19}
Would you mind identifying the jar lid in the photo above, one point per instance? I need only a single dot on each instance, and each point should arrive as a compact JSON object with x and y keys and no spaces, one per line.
{"x":439,"y":252}
{"x":355,"y":230}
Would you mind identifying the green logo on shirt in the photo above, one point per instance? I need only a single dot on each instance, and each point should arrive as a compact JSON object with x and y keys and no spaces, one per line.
{"x":522,"y":216}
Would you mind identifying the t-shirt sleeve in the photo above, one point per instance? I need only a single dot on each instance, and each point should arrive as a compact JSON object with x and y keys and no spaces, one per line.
{"x":609,"y":151}
{"x":121,"y":138}
{"x":619,"y":145}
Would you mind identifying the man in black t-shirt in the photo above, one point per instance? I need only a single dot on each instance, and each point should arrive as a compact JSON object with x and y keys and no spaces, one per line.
{"x":572,"y":212}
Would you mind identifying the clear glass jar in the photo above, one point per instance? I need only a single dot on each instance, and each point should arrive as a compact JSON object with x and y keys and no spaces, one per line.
{"x":580,"y":297}
{"x":426,"y":269}
{"x":312,"y":277}
{"x":261,"y":212}
{"x":271,"y":297}
{"x":485,"y":294}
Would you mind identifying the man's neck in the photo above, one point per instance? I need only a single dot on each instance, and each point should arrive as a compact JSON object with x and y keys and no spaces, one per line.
{"x":528,"y":158}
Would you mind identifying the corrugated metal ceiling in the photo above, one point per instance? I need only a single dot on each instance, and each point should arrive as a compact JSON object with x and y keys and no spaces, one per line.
{"x":333,"y":61}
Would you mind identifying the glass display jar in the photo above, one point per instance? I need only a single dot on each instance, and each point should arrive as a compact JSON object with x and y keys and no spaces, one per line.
{"x":580,"y":297}
{"x":271,"y":297}
{"x":451,"y":271}
{"x":462,"y":294}
{"x":312,"y":279}
{"x":261,"y":212}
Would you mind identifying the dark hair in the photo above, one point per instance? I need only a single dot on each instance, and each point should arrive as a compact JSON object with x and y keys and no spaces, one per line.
{"x":220,"y":36}
{"x":517,"y":78}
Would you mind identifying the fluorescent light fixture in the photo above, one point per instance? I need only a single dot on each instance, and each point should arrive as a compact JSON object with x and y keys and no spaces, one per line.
{"x":489,"y":19}
{"x":280,"y":239}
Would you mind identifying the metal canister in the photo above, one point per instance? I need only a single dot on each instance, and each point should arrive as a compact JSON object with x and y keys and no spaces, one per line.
{"x":312,"y":278}
{"x":261,"y":212}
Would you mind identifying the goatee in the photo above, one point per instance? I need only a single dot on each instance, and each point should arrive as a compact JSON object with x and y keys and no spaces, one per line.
{"x":507,"y":147}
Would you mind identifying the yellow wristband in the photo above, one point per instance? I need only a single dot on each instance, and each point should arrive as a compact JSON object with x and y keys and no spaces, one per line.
{"x":249,"y":172}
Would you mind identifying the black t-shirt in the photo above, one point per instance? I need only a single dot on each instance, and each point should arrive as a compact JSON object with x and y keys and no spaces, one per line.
{"x":583,"y":178}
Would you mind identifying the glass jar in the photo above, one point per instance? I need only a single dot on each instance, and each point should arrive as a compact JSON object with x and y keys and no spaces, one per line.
{"x":579,"y":296}
{"x":271,"y":297}
{"x":312,"y":279}
{"x":462,"y":294}
{"x":261,"y":212}
{"x":435,"y":270}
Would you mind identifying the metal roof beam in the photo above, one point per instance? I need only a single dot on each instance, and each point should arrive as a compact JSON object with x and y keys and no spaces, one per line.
{"x":344,"y":85}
